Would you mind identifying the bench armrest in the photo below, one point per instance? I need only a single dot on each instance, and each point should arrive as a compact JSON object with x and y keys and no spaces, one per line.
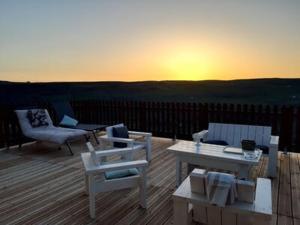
{"x":145,"y":134}
{"x":274,"y":140}
{"x":202,"y":135}
{"x":263,"y":196}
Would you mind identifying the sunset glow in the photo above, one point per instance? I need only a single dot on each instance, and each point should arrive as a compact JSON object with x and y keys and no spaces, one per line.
{"x":148,"y":40}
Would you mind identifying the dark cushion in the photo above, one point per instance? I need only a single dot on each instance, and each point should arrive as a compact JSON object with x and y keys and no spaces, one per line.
{"x":37,"y":118}
{"x":120,"y":132}
{"x":264,"y":148}
{"x":120,"y":173}
{"x":216,"y":142}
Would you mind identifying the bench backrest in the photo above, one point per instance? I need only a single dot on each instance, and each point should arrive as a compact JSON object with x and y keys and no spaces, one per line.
{"x":233,"y":134}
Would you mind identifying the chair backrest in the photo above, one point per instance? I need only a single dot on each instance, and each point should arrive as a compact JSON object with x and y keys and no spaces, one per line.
{"x":62,"y":108}
{"x":233,"y":134}
{"x":109,"y":130}
{"x":24,"y":122}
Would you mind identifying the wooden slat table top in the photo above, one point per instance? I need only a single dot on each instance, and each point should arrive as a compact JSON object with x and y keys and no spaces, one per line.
{"x":211,"y":151}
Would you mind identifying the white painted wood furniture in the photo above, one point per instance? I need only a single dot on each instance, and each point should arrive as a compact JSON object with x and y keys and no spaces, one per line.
{"x":142,"y":142}
{"x":233,"y":134}
{"x":210,"y":156}
{"x":94,"y":174}
{"x":253,"y":207}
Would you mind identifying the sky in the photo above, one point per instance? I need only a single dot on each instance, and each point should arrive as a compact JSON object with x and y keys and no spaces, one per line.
{"x":136,"y":40}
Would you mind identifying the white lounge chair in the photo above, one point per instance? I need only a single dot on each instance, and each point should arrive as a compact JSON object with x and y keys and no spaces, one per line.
{"x":144,"y":141}
{"x":112,"y":176}
{"x":48,"y":133}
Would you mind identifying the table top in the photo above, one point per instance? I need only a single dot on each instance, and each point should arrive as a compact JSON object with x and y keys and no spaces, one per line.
{"x":189,"y":148}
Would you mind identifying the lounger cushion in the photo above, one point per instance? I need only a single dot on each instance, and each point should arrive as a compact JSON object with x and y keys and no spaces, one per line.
{"x":37,"y":118}
{"x":121,"y":173}
{"x":120,"y":132}
{"x":216,"y":142}
{"x":68,"y":121}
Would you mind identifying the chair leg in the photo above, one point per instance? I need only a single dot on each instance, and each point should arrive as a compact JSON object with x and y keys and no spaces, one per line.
{"x":69,"y":147}
{"x":143,"y":188}
{"x":96,"y":139}
{"x":148,"y":149}
{"x":92,"y":195}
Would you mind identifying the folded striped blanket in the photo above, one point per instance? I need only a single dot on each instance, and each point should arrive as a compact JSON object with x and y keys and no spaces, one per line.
{"x":221,"y":188}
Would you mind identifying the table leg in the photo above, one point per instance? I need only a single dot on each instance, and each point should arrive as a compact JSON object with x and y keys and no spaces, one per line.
{"x":243,"y":172}
{"x":178,"y":171}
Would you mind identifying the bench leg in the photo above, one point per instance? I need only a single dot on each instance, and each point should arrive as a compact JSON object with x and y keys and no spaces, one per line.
{"x":181,"y":213}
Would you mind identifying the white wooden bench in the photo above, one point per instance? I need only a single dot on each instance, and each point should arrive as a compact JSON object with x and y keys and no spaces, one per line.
{"x":233,"y":134}
{"x":253,"y":207}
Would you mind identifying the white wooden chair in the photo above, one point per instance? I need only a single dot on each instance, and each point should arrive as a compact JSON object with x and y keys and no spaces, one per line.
{"x":142,"y":142}
{"x":97,"y":174}
{"x":233,"y":134}
{"x":253,"y":206}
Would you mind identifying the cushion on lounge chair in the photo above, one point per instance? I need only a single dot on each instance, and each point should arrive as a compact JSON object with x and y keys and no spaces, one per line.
{"x":120,"y":132}
{"x":216,"y":142}
{"x":37,"y":118}
{"x":68,"y":121}
{"x":121,"y":173}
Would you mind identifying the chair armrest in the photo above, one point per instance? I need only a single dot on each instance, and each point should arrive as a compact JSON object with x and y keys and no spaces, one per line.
{"x":140,"y":133}
{"x":115,"y":139}
{"x":117,"y":151}
{"x":117,"y":166}
{"x":274,"y":140}
{"x":263,"y":196}
{"x":201,"y":135}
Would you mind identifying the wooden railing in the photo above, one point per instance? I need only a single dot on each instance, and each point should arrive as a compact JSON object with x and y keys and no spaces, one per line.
{"x":169,"y":119}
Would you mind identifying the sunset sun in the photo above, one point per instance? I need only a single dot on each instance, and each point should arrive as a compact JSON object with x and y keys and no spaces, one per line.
{"x":188,"y":65}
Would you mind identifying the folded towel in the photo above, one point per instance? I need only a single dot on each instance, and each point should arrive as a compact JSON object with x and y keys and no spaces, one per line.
{"x":221,"y":188}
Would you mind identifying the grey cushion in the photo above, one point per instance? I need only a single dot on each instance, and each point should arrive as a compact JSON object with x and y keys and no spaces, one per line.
{"x":264,"y":148}
{"x":120,"y":173}
{"x":216,"y":142}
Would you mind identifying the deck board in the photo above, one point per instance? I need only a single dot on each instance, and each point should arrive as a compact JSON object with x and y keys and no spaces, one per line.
{"x":43,"y":185}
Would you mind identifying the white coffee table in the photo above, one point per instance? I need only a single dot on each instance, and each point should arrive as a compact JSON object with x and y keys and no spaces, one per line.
{"x":211,"y":156}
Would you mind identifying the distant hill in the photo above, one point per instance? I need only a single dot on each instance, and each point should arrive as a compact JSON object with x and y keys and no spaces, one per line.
{"x":255,"y":91}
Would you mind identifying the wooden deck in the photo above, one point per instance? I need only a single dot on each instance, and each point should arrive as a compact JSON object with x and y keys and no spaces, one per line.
{"x":42,"y":185}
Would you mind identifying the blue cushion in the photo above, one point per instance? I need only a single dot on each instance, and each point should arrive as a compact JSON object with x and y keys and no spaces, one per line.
{"x":121,"y":173}
{"x":68,"y":121}
{"x":120,"y":132}
{"x":216,"y":142}
{"x":264,"y":148}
